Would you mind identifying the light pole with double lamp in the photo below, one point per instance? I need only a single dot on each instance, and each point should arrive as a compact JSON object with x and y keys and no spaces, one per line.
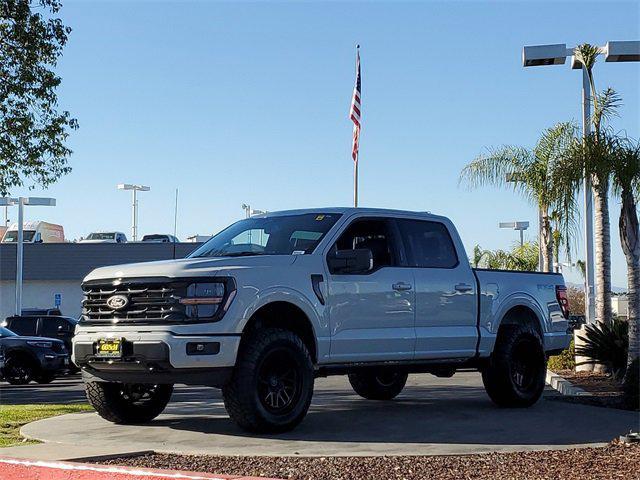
{"x":543,"y":55}
{"x":134,"y":205}
{"x":518,"y":226}
{"x":21,"y":202}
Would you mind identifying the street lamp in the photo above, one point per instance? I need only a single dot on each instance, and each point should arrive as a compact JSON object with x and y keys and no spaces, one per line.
{"x":21,"y":202}
{"x":543,"y":55}
{"x":249,"y":212}
{"x":134,"y":206}
{"x":518,"y":226}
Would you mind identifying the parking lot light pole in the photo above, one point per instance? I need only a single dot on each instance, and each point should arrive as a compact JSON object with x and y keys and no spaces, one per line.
{"x":21,"y":202}
{"x":518,"y":226}
{"x":543,"y":55}
{"x":134,"y":206}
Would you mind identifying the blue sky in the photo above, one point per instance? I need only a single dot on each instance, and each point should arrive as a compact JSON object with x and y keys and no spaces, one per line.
{"x":248,"y":102}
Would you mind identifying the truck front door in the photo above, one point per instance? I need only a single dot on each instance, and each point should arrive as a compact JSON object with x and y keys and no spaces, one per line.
{"x":372,"y":313}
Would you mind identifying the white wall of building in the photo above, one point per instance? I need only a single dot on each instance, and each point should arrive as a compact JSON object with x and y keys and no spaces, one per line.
{"x":40,"y":294}
{"x":620,"y":305}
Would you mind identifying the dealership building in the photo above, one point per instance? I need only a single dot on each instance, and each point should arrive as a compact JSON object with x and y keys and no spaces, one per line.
{"x":56,"y":270}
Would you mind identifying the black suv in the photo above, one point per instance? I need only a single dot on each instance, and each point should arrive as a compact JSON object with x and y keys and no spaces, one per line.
{"x":31,"y":358}
{"x":50,"y":326}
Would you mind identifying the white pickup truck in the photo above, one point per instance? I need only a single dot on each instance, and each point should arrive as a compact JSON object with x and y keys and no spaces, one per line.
{"x":275,"y":300}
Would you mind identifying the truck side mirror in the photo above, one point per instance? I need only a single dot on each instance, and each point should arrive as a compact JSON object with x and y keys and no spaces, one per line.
{"x":357,"y":261}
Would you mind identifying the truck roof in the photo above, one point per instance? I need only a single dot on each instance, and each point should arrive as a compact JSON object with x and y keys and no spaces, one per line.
{"x":348,"y":210}
{"x":32,"y":225}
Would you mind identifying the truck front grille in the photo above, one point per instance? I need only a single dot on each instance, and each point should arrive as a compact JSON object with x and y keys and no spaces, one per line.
{"x":145,"y":303}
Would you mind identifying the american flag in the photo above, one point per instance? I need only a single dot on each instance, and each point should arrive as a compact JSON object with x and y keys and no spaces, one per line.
{"x":354,"y":112}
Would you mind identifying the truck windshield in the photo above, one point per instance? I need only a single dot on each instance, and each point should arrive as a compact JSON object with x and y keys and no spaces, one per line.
{"x":101,"y":236}
{"x":277,"y":235}
{"x":12,"y":236}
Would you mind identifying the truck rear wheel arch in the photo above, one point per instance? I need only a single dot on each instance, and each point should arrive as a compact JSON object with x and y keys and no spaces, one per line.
{"x":522,"y":315}
{"x":287,"y":316}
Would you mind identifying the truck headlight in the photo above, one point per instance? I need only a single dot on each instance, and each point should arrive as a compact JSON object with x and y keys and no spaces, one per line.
{"x":207,"y":300}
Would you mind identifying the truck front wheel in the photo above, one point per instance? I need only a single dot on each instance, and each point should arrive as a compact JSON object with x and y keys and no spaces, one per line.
{"x":128,"y":403}
{"x":517,"y":369}
{"x":272,"y":383}
{"x":378,"y":385}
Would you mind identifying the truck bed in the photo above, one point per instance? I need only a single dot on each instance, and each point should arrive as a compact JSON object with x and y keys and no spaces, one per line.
{"x":504,"y":290}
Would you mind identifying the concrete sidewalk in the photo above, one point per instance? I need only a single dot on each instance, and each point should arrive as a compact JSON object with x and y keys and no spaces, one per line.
{"x":433,"y":416}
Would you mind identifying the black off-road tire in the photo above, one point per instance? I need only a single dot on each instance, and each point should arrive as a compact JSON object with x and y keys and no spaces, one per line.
{"x":246,"y":396}
{"x":19,"y":370}
{"x":378,"y":385}
{"x":515,"y":376}
{"x":117,"y":402}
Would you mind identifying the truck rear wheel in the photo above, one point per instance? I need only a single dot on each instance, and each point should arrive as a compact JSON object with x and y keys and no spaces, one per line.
{"x":517,"y":369}
{"x":378,"y":385}
{"x":128,"y":403}
{"x":272,"y":383}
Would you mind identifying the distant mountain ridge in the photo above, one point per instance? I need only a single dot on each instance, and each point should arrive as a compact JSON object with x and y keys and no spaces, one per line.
{"x":580,"y":286}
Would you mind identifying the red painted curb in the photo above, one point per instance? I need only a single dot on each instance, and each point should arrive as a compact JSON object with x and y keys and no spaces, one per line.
{"x":19,"y":469}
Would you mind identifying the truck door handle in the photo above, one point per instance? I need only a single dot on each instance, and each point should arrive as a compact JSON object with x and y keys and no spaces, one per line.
{"x":463,"y":287}
{"x":401,"y":286}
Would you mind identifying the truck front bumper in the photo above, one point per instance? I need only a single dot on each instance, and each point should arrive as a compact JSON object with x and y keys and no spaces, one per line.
{"x":158,"y":357}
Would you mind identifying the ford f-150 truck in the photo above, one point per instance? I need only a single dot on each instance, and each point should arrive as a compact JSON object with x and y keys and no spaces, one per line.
{"x":276,"y":300}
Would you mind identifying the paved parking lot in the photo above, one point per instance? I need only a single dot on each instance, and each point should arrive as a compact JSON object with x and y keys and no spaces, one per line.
{"x":431,"y":416}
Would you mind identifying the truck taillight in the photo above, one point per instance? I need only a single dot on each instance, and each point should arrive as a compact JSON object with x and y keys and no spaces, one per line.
{"x":563,"y":299}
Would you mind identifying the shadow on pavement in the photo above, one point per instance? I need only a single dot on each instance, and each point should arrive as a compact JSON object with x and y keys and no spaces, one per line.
{"x":422,"y":415}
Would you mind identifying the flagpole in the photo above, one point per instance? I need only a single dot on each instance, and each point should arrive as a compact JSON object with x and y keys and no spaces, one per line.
{"x":355,"y":181}
{"x":356,"y":131}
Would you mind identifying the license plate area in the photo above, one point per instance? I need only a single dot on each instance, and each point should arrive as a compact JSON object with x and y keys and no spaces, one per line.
{"x":109,"y":348}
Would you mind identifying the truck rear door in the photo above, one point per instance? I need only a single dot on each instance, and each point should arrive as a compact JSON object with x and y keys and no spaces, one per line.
{"x":445,"y":285}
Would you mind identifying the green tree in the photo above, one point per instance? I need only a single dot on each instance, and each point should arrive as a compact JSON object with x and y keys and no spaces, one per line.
{"x":32,"y":130}
{"x":593,"y":156}
{"x":520,"y":257}
{"x":596,"y":155}
{"x":626,"y":184}
{"x":528,"y":172}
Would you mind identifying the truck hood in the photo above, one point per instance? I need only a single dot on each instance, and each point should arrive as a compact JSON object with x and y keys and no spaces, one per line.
{"x":21,"y":339}
{"x":189,"y":267}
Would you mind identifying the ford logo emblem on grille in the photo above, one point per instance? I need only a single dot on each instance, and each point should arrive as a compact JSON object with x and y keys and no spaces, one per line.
{"x":117,"y":302}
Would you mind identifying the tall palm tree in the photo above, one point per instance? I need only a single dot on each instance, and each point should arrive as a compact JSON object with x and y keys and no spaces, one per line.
{"x":528,"y":172}
{"x":626,"y":184}
{"x":598,"y":166}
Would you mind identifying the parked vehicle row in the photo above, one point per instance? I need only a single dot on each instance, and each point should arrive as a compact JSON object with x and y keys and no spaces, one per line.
{"x":275,"y":300}
{"x":119,"y":237}
{"x":44,"y":232}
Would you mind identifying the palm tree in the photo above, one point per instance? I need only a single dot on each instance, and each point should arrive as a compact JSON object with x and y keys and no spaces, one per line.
{"x":529,"y":173}
{"x":597,"y":162}
{"x":626,"y":184}
{"x":521,"y":257}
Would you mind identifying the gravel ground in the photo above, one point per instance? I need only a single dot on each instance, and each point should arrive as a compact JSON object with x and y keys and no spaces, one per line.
{"x":612,"y":462}
{"x":605,"y":390}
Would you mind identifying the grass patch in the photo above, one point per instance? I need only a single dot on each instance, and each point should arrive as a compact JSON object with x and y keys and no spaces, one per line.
{"x":12,"y":417}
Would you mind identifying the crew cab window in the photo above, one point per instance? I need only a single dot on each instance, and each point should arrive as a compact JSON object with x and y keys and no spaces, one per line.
{"x":23,"y":326}
{"x":429,"y":244}
{"x":374,"y":235}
